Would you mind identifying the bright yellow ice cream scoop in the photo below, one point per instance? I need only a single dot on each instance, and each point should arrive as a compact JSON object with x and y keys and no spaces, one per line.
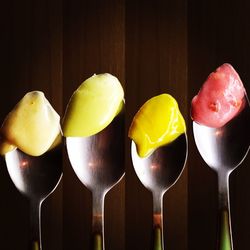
{"x":157,"y":123}
{"x":33,"y":126}
{"x":93,"y":106}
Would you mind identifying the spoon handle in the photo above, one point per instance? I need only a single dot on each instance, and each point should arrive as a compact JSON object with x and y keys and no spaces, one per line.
{"x":35,"y":224}
{"x":97,"y":242}
{"x":157,"y":221}
{"x":225,"y":241}
{"x":98,"y":221}
{"x":35,"y":245}
{"x":224,"y":231}
{"x":157,"y":245}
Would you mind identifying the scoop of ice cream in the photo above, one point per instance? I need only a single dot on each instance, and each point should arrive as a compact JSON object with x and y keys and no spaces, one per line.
{"x":157,"y":123}
{"x":220,"y":99}
{"x":5,"y":146}
{"x":33,"y":126}
{"x":93,"y":106}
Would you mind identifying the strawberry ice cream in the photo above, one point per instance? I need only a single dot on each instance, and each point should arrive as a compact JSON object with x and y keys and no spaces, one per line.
{"x":220,"y":99}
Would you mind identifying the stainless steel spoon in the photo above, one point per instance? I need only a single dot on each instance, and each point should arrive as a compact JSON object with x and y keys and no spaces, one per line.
{"x":36,"y":178}
{"x":158,"y":172}
{"x":98,"y":162}
{"x":223,"y":149}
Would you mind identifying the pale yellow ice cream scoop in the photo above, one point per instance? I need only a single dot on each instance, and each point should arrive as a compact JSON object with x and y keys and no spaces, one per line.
{"x":93,"y":106}
{"x":158,"y":122}
{"x":32,"y":126}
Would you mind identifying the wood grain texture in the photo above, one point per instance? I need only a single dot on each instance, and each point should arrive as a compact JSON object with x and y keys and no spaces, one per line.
{"x":156,"y":62}
{"x":31,"y":59}
{"x":152,"y":47}
{"x":94,"y":42}
{"x":218,"y":32}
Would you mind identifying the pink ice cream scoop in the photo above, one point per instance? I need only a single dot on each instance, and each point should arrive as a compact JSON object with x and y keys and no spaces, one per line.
{"x":220,"y":99}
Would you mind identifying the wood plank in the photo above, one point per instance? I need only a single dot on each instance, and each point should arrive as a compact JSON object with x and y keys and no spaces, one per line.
{"x":218,"y":32}
{"x":31,"y":56}
{"x":156,"y":62}
{"x":168,"y":46}
{"x":93,"y":43}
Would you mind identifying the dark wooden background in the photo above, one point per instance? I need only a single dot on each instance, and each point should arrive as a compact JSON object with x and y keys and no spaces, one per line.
{"x":152,"y":47}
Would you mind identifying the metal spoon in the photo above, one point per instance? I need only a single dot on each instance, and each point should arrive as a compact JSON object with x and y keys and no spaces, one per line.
{"x":223,"y":149}
{"x":158,"y":172}
{"x":36,"y":178}
{"x":98,"y":162}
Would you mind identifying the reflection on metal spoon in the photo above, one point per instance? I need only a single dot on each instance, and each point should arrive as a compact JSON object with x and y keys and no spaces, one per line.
{"x":223,"y":149}
{"x":36,"y":178}
{"x":98,"y":162}
{"x":160,"y":171}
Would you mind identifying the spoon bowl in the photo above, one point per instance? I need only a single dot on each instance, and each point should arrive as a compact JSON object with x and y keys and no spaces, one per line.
{"x":36,"y":178}
{"x":98,"y":162}
{"x":224,"y":149}
{"x":160,"y":171}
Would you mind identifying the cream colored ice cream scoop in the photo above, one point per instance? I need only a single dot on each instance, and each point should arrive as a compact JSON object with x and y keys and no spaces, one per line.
{"x":30,"y":141}
{"x":32,"y":126}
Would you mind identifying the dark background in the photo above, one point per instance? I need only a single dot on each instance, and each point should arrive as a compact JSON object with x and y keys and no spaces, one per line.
{"x":152,"y":47}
